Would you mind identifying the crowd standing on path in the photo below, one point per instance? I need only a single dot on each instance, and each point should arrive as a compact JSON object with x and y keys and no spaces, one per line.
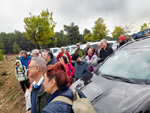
{"x":51,"y":76}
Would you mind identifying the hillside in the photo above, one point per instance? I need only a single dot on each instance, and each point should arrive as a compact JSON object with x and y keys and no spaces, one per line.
{"x":11,"y":95}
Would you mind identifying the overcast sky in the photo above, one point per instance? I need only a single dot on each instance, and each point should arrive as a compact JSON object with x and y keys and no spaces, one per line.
{"x":82,"y":12}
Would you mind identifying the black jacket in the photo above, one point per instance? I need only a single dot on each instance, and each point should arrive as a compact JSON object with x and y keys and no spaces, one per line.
{"x":103,"y":54}
{"x":122,"y":43}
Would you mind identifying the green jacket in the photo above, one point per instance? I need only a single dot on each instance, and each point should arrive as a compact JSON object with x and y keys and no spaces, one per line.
{"x":81,"y":53}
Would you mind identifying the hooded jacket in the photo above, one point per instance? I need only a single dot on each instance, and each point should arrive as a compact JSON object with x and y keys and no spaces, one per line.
{"x":81,"y":69}
{"x":20,"y":72}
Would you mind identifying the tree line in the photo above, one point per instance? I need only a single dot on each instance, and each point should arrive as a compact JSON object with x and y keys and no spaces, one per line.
{"x":39,"y":33}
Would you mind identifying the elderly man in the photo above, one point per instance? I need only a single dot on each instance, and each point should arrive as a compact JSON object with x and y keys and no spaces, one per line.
{"x":35,"y":53}
{"x":97,"y":51}
{"x":79,"y":51}
{"x":105,"y":51}
{"x":39,"y":97}
{"x":64,"y":53}
{"x":48,"y":56}
{"x":87,"y":48}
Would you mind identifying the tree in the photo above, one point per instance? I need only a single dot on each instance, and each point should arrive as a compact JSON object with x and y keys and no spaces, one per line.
{"x":99,"y":30}
{"x":1,"y":51}
{"x":118,"y":31}
{"x":145,"y":26}
{"x":16,"y":48}
{"x":1,"y":55}
{"x":40,"y":28}
{"x":86,"y":31}
{"x":72,"y":34}
{"x":87,"y":37}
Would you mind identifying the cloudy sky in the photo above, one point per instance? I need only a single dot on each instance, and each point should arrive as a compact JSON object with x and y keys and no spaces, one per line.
{"x":82,"y":12}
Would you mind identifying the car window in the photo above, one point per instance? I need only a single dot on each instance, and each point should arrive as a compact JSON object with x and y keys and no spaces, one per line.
{"x":94,"y":46}
{"x":55,"y":50}
{"x":67,"y":49}
{"x":140,"y":34}
{"x":133,"y":64}
{"x":72,"y":48}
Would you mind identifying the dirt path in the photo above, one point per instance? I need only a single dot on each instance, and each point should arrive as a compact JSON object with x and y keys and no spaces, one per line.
{"x":11,"y":95}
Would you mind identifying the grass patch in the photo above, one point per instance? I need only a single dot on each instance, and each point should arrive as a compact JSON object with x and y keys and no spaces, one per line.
{"x":14,"y":94}
{"x":2,"y":82}
{"x":16,"y":104}
{"x":4,"y":76}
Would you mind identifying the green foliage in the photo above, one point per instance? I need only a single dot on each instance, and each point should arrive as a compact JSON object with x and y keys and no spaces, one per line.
{"x":16,"y":48}
{"x":87,"y":37}
{"x":99,"y":30}
{"x":72,"y":34}
{"x":40,"y":29}
{"x":145,"y":26}
{"x":118,"y":31}
{"x":86,"y":31}
{"x":18,"y":37}
{"x":1,"y":55}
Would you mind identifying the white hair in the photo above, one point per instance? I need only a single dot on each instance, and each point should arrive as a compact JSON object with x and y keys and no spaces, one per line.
{"x":104,"y":40}
{"x":40,"y":62}
{"x":33,"y":51}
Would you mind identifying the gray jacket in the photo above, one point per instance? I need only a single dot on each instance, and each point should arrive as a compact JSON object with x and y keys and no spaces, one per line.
{"x":93,"y":62}
{"x":81,"y":69}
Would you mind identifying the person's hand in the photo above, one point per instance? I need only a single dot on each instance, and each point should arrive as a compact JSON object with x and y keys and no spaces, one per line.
{"x":40,"y":52}
{"x":29,"y":111}
{"x":27,"y":90}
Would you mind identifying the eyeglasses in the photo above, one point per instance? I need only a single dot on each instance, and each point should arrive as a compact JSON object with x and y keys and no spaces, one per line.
{"x":31,"y":67}
{"x":37,"y":53}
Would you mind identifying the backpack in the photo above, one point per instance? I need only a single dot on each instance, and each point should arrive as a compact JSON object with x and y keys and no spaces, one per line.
{"x":79,"y":105}
{"x":22,"y":68}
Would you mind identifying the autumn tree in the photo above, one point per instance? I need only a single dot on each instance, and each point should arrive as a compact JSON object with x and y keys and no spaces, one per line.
{"x":99,"y":30}
{"x":40,"y":29}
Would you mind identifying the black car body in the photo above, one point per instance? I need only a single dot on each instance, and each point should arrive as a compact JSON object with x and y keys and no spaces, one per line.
{"x":122,"y":86}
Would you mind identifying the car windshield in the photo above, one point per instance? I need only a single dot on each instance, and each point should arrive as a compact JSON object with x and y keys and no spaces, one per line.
{"x":132,"y":64}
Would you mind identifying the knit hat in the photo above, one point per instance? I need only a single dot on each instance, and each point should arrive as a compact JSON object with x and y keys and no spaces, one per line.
{"x":75,"y":56}
{"x":122,"y":38}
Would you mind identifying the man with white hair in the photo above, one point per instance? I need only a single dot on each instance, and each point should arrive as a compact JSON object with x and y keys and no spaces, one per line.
{"x":105,"y":51}
{"x":35,"y":53}
{"x":39,"y":97}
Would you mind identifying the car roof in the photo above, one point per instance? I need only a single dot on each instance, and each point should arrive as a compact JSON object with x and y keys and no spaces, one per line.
{"x":143,"y":43}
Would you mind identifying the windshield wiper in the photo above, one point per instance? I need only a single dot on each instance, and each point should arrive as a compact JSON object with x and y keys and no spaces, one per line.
{"x":119,"y":78}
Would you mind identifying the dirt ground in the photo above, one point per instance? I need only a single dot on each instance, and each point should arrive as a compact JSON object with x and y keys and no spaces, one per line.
{"x":11,"y":95}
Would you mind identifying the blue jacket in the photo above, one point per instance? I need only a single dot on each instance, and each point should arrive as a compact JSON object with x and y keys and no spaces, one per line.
{"x":25,"y":61}
{"x":61,"y":107}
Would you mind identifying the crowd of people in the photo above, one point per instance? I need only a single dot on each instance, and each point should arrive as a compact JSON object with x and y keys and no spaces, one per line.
{"x":43,"y":76}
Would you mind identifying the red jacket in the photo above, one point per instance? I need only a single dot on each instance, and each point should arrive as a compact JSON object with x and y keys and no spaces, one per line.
{"x":61,"y":54}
